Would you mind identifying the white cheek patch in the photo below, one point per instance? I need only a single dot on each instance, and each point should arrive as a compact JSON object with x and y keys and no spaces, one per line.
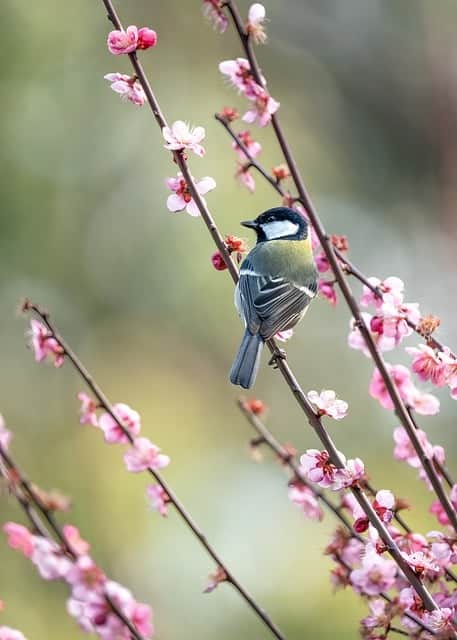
{"x":279,"y":229}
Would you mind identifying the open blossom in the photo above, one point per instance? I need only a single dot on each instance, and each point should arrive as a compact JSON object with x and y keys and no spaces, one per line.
{"x":328,"y":404}
{"x":428,"y":365}
{"x":378,"y":617}
{"x":88,"y":410}
{"x":73,"y":537}
{"x":383,"y":504}
{"x":122,"y":41}
{"x":181,"y":136}
{"x":317,"y":467}
{"x":181,"y":198}
{"x":352,"y":472}
{"x":442,"y":621}
{"x":128,"y":87}
{"x":392,"y":292}
{"x":404,"y":449}
{"x":212,"y":9}
{"x":252,"y":146}
{"x":49,"y":559}
{"x":158,"y":498}
{"x":376,"y":575}
{"x":7,"y":633}
{"x":264,"y":106}
{"x":425,"y":404}
{"x":391,"y":323}
{"x":239,"y":73}
{"x":256,"y":18}
{"x":44,"y":344}
{"x":128,"y":417}
{"x":306,"y":500}
{"x":421,"y":562}
{"x":402,"y":380}
{"x":19,"y":538}
{"x":144,"y":455}
{"x":5,"y":435}
{"x":245,"y":177}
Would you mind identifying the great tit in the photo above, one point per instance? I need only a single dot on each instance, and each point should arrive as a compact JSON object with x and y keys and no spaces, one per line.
{"x":278,"y":279}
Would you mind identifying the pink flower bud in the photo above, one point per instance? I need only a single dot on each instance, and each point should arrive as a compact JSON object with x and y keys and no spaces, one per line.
{"x":147,"y":38}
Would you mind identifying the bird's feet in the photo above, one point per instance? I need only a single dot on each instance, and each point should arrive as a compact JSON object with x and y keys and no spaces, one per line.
{"x":278,"y":354}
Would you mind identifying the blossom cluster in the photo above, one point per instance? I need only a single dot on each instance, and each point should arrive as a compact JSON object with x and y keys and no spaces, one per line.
{"x":90,"y":590}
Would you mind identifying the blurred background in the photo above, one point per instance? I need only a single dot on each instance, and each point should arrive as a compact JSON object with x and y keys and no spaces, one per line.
{"x":368,"y":93}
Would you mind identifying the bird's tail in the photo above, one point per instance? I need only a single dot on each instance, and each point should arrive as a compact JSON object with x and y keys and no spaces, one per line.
{"x":246,"y":364}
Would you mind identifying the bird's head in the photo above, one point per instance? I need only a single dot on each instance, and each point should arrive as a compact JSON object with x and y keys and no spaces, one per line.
{"x":279,"y":223}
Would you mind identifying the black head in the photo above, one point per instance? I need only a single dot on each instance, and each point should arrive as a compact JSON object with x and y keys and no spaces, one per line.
{"x":278,"y":224}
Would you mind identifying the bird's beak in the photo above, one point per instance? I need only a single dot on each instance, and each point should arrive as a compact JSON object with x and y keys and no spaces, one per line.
{"x":251,"y":224}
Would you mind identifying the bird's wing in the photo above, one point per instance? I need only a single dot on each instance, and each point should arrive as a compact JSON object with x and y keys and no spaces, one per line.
{"x":269,"y":305}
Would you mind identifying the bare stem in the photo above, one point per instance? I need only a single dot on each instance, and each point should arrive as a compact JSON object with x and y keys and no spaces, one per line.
{"x":399,"y":406}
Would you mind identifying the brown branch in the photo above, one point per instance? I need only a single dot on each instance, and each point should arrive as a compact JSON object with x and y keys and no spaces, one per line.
{"x":400,"y":407}
{"x":282,"y":365}
{"x":32,"y":506}
{"x":104,"y":403}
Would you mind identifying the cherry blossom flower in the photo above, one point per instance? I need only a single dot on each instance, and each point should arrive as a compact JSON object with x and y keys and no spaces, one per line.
{"x":88,"y":409}
{"x":377,"y":574}
{"x":425,"y":404}
{"x":317,"y":467}
{"x":85,"y":578}
{"x":144,"y":455}
{"x":438,"y":510}
{"x":442,"y":621}
{"x":384,"y":504}
{"x":428,"y":365}
{"x":306,"y":500}
{"x":352,"y":472}
{"x":128,"y":417}
{"x":49,"y":559}
{"x":391,"y":323}
{"x":404,"y":449}
{"x":19,"y":538}
{"x":327,"y":289}
{"x":212,"y":9}
{"x":147,"y":38}
{"x":181,"y":136}
{"x":123,"y":41}
{"x":158,"y":498}
{"x":239,"y":73}
{"x":328,"y":404}
{"x":256,"y":18}
{"x":284,"y":336}
{"x":128,"y":87}
{"x":44,"y":344}
{"x":73,"y":537}
{"x":322,"y":262}
{"x":181,"y":198}
{"x":252,"y":146}
{"x":7,"y":633}
{"x":264,"y":106}
{"x":378,"y":617}
{"x":5,"y":435}
{"x":392,"y":292}
{"x":245,"y":177}
{"x":402,"y":380}
{"x":422,"y":563}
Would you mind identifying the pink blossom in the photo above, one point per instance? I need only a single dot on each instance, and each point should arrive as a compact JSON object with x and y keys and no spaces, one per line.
{"x":391,"y":324}
{"x":212,"y":9}
{"x":144,"y":455}
{"x":127,"y":416}
{"x":437,"y":509}
{"x":85,"y":578}
{"x":284,"y":336}
{"x":141,"y":617}
{"x":425,"y":404}
{"x":181,"y":198}
{"x":218,"y":261}
{"x":328,"y":404}
{"x":322,"y":262}
{"x":256,"y":18}
{"x":44,"y":344}
{"x":239,"y":73}
{"x":19,"y":538}
{"x":351,"y":473}
{"x":49,"y":559}
{"x":88,"y":409}
{"x":428,"y":365}
{"x":252,"y":146}
{"x":384,"y":504}
{"x":378,"y":617}
{"x":392,"y":292}
{"x":317,"y":467}
{"x":264,"y":106}
{"x":402,"y":380}
{"x":306,"y":500}
{"x":120,"y":41}
{"x":158,"y":498}
{"x":245,"y":177}
{"x":421,"y":562}
{"x":327,"y":289}
{"x":129,"y":88}
{"x":5,"y":435}
{"x":147,"y":38}
{"x":6,"y":633}
{"x":442,"y":621}
{"x":72,"y":536}
{"x":404,"y":449}
{"x":181,"y":136}
{"x":376,"y":575}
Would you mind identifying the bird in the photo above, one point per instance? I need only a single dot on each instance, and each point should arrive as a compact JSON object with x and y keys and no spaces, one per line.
{"x":278,"y":280}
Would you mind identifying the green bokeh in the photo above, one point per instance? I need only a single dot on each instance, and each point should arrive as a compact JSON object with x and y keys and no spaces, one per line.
{"x":368,"y":99}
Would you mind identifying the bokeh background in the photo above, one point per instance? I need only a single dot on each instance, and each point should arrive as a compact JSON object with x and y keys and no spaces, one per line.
{"x":369,"y":100}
